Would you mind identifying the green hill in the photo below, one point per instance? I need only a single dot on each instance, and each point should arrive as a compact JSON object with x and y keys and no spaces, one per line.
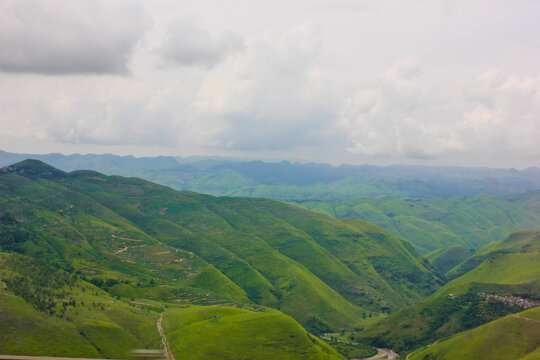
{"x":45,"y":311}
{"x":510,"y":270}
{"x":432,"y":224}
{"x":446,"y":259}
{"x":48,"y":311}
{"x":137,"y":239}
{"x":511,"y":337}
{"x":216,"y":332}
{"x":520,"y":241}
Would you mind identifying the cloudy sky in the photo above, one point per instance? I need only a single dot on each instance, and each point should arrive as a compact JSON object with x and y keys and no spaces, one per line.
{"x":381,"y":82}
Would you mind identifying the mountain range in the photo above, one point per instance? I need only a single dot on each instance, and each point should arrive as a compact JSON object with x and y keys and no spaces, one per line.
{"x":112,"y":240}
{"x":288,"y":181}
{"x":91,"y":264}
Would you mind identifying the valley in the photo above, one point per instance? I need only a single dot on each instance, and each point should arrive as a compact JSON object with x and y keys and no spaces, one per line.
{"x":94,"y":265}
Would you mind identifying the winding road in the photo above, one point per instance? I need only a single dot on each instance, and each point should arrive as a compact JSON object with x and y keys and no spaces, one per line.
{"x":383,"y":354}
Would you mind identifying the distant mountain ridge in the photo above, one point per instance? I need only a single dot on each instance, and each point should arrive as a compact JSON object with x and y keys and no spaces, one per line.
{"x":298,"y":181}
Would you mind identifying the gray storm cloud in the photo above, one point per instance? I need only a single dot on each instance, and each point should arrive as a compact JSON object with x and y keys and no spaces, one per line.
{"x":69,"y":37}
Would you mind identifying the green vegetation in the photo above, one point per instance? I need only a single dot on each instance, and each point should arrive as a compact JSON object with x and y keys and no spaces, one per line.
{"x":511,"y":268}
{"x":89,"y":263}
{"x":84,"y":321}
{"x":48,"y":311}
{"x":432,"y":224}
{"x":518,"y":242}
{"x":136,"y":239}
{"x":215,"y":332}
{"x":446,"y":259}
{"x":353,"y":350}
{"x":511,"y":337}
{"x":298,"y":181}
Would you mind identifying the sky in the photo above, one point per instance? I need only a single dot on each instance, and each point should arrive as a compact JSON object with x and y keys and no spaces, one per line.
{"x":433,"y":82}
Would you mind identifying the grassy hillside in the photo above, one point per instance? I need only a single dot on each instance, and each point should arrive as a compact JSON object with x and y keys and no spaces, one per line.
{"x":520,"y":241}
{"x":216,"y":332}
{"x":511,"y":337}
{"x":50,"y":312}
{"x":137,"y":239}
{"x":47,"y":311}
{"x":447,"y":259}
{"x":432,"y":224}
{"x":510,"y":270}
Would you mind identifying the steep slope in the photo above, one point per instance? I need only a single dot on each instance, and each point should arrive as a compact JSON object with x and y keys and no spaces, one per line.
{"x":511,"y":337}
{"x":520,"y":241}
{"x":507,"y":281}
{"x":122,"y":233}
{"x":431,"y":224}
{"x":446,"y":259}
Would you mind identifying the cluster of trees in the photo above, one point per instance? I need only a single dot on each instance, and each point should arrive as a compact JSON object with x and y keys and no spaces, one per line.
{"x":38,"y":283}
{"x":12,"y":235}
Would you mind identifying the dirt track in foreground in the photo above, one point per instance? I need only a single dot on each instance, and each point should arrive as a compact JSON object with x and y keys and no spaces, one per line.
{"x":166,"y":347}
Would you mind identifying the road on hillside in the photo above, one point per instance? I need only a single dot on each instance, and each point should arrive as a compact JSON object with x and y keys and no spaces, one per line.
{"x":166,"y":347}
{"x":383,"y":354}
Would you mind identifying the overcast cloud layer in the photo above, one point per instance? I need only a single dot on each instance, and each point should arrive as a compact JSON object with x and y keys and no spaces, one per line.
{"x":427,"y":82}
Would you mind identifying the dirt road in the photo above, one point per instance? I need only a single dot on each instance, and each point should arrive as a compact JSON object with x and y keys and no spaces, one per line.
{"x":166,"y":347}
{"x":384,"y":354}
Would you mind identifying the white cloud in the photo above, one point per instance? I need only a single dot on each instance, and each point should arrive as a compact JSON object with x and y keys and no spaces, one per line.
{"x":187,"y":42}
{"x":396,"y":118}
{"x":271,"y":96}
{"x":267,"y":85}
{"x":503,"y":116}
{"x":69,"y":37}
{"x":407,"y":117}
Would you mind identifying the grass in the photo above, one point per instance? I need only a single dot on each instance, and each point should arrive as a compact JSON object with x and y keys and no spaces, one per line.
{"x":216,"y":332}
{"x":353,"y":351}
{"x":85,"y":321}
{"x":49,"y":312}
{"x":502,"y":339}
{"x":25,"y":331}
{"x":138,"y":239}
{"x":510,"y":267}
{"x":432,"y":224}
{"x":446,"y":259}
